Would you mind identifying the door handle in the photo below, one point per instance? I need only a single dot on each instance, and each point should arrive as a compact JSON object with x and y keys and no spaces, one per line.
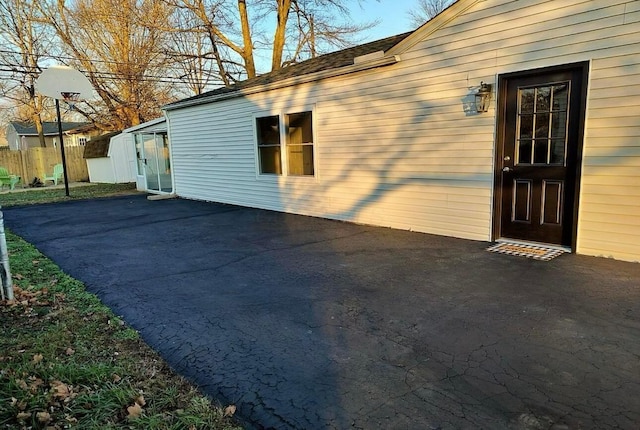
{"x":506,"y":169}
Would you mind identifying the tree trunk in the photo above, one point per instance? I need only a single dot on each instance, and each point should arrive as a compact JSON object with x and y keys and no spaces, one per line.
{"x":279,"y":36}
{"x":222,"y":72}
{"x":247,"y":42}
{"x":312,"y":38}
{"x":38,"y":122}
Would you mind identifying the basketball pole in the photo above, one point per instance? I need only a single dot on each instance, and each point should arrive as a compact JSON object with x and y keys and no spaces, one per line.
{"x":5,"y":270}
{"x":64,"y":160}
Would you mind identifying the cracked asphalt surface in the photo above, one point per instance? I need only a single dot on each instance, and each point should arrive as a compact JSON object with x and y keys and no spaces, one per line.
{"x":307,"y":323}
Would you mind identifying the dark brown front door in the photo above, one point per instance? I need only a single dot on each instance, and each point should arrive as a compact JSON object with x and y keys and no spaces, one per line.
{"x":537,"y":169}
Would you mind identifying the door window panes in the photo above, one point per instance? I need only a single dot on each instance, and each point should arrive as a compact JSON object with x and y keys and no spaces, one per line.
{"x":527,"y":97}
{"x":524,"y":151}
{"x":559,"y":125}
{"x":526,"y":127}
{"x":543,"y":98}
{"x":557,"y":151}
{"x":139,"y":154}
{"x":542,"y":124}
{"x":560,"y":97}
{"x":540,"y":151}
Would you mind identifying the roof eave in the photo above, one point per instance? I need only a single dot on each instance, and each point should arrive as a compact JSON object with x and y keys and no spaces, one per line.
{"x":387,"y":60}
{"x":149,"y":123}
{"x":50,"y":134}
{"x":432,"y":26}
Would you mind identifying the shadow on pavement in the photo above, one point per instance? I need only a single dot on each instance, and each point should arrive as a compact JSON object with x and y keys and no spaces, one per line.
{"x":309,"y":323}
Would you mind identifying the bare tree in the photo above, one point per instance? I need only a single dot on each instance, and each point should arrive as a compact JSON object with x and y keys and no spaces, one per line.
{"x":141,"y":54}
{"x":118,"y":45}
{"x":236,"y":29}
{"x":317,"y":30}
{"x":191,"y":59}
{"x":427,"y":9}
{"x":23,"y":43}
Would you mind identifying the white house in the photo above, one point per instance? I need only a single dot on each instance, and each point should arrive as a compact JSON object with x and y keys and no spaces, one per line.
{"x":111,"y":158}
{"x":389,"y":133}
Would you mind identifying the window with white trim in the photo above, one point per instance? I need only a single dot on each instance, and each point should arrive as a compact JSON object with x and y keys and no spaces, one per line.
{"x":299,"y":143}
{"x":268,"y":129}
{"x":296,"y":130}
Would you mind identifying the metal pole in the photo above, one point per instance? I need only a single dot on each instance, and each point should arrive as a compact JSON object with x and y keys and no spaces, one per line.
{"x":64,"y":160}
{"x":5,"y":270}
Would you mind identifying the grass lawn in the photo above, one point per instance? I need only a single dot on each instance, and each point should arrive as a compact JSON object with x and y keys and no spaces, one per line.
{"x":34,"y":196}
{"x":66,"y":361}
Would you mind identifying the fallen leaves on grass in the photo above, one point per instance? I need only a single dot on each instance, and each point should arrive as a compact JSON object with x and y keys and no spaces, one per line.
{"x":35,"y":384}
{"x":44,"y":352}
{"x":22,"y":416}
{"x":62,"y":391}
{"x":20,"y":405}
{"x":135,"y":410}
{"x":22,"y":384}
{"x":43,"y":417}
{"x":23,"y":297}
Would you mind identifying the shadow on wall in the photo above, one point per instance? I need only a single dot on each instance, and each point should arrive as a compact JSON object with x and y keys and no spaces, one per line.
{"x":303,"y":376}
{"x":329,"y":342}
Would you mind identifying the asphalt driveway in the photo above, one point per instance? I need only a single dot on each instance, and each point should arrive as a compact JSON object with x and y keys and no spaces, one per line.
{"x":306,"y":323}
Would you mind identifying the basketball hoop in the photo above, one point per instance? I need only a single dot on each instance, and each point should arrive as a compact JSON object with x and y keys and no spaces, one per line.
{"x":69,"y":85}
{"x":70,"y":98}
{"x":64,"y":83}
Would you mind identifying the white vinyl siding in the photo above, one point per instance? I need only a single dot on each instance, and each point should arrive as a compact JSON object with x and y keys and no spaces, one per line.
{"x":610,"y":200}
{"x":401,"y":146}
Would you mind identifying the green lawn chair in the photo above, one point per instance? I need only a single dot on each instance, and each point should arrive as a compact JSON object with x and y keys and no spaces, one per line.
{"x":7,"y":179}
{"x":55,"y":176}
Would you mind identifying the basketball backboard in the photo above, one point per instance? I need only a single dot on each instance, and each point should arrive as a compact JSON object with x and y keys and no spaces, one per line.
{"x":64,"y":83}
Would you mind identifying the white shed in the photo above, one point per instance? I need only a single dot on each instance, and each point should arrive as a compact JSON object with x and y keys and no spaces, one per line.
{"x":405,"y":133}
{"x":111,"y":158}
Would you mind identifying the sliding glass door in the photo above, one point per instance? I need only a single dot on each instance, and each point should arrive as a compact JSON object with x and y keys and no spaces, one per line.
{"x":153,"y":161}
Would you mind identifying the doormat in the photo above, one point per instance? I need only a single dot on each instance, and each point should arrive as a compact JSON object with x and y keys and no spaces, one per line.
{"x":537,"y":252}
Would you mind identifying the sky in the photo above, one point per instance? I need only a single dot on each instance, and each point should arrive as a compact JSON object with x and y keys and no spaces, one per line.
{"x":392,"y":15}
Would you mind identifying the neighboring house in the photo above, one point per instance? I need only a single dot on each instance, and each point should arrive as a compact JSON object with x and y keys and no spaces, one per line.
{"x":21,"y":135}
{"x":111,"y":158}
{"x":389,"y":133}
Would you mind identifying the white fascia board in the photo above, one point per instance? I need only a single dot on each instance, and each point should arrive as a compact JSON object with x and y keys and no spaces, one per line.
{"x":144,"y":125}
{"x":368,"y":57}
{"x":432,"y":26}
{"x":296,"y":80}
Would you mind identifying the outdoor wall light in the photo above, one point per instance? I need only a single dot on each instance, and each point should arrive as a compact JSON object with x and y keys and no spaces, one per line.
{"x":483,"y":97}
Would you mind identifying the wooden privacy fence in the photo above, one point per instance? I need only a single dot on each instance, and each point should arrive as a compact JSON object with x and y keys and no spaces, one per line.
{"x":36,"y":162}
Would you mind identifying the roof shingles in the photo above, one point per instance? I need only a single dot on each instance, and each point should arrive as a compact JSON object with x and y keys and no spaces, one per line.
{"x":329,"y":61}
{"x":98,"y":147}
{"x":49,"y":128}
